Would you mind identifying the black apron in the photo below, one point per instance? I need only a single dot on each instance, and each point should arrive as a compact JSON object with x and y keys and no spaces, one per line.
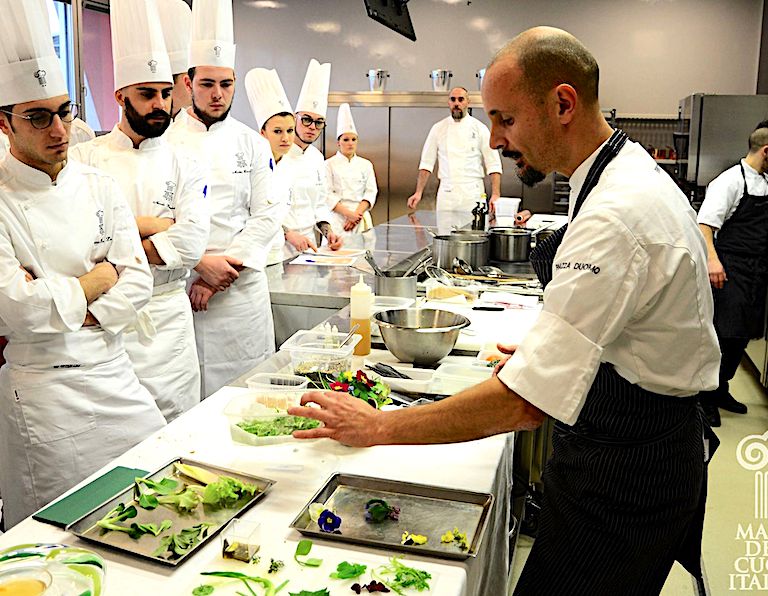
{"x":625,"y":489}
{"x":742,"y":246}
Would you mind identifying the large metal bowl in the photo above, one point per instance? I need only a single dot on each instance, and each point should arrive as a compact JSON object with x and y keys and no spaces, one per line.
{"x":420,"y":335}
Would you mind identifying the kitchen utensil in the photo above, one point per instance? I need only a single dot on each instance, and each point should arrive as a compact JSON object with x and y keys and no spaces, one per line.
{"x":441,"y":79}
{"x":480,"y":74}
{"x":349,"y":335}
{"x":472,"y":248}
{"x":391,"y":284}
{"x":461,"y":267}
{"x":372,"y":262}
{"x":377,"y":79}
{"x":385,"y":370}
{"x":420,"y":335}
{"x":510,"y":244}
{"x":418,"y":263}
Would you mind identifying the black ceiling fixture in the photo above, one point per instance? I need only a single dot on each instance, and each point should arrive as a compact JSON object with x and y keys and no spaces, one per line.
{"x":392,"y":14}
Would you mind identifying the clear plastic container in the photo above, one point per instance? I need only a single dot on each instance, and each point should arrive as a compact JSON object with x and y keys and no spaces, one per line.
{"x":314,"y":352}
{"x":457,"y":377}
{"x":241,"y":540}
{"x":276,"y":382}
{"x":485,"y":358}
{"x":245,"y":410}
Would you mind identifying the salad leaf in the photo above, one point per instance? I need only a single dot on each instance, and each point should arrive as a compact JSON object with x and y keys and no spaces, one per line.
{"x":226,"y":492}
{"x":165,"y":486}
{"x":153,"y":529}
{"x":400,"y":577}
{"x":183,"y":502}
{"x":203,"y":590}
{"x":111,"y":521}
{"x":323,"y":592}
{"x":202,"y":475}
{"x":176,"y":545}
{"x":269,"y":588}
{"x":302,"y":550}
{"x":280,"y":426}
{"x":346,"y":570}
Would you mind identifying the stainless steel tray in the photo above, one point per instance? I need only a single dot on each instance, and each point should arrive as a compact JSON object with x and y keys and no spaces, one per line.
{"x":86,"y":528}
{"x":427,"y":510}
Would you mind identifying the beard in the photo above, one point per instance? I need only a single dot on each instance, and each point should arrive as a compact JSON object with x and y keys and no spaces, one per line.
{"x":528,"y":175}
{"x":206,"y":118}
{"x":457,"y":114}
{"x":142,"y":126}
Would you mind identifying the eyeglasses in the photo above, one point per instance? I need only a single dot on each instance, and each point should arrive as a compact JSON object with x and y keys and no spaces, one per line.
{"x":308,"y":121}
{"x":42,"y":118}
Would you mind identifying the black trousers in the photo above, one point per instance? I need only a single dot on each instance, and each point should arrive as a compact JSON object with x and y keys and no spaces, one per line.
{"x":732,"y":351}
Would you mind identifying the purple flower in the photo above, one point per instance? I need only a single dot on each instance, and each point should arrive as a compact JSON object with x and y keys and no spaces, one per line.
{"x":329,"y":522}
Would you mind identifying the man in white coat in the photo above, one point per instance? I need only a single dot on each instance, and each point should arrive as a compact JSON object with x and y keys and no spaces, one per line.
{"x":308,"y":203}
{"x":233,"y":319}
{"x":460,"y":144}
{"x":176,"y":20}
{"x":73,"y":277}
{"x":166,"y":193}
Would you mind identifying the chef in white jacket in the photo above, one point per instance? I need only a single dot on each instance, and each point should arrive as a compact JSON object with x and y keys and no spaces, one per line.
{"x":352,"y":185}
{"x":72,"y":277}
{"x":166,"y":193}
{"x":176,"y":21}
{"x":233,"y":319}
{"x":309,"y":209}
{"x":3,"y":145}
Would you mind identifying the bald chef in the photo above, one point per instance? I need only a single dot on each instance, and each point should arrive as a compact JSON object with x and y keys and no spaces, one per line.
{"x":166,"y":194}
{"x":233,"y":318}
{"x":73,"y":275}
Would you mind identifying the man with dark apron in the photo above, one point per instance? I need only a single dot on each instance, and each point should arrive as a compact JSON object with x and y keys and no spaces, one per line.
{"x":622,"y":346}
{"x":736,"y":207}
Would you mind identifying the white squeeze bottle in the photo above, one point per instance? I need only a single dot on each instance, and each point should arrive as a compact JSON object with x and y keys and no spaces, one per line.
{"x":360,"y":307}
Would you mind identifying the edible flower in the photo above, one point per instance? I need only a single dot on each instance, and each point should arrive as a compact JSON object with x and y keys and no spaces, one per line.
{"x":455,"y":536}
{"x":359,"y":385}
{"x":363,"y":378}
{"x":339,"y":386}
{"x":329,"y":522}
{"x":377,"y":510}
{"x":409,"y":539}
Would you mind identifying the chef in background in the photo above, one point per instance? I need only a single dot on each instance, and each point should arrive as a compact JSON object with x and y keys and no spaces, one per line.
{"x":166,"y":193}
{"x":80,"y":132}
{"x":277,"y":124}
{"x":352,"y":186}
{"x":73,"y":278}
{"x":309,"y":210}
{"x":734,"y":221}
{"x":176,"y":21}
{"x":228,"y":290}
{"x":459,"y":143}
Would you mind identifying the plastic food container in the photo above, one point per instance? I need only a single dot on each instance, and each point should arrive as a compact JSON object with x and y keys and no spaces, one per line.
{"x":241,"y":540}
{"x":486,"y":357}
{"x":276,"y":382}
{"x":457,"y":377}
{"x":314,"y":352}
{"x":244,"y":410}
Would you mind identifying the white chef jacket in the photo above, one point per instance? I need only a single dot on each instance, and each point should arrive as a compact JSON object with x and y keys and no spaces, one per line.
{"x":69,"y":399}
{"x":628,"y":289}
{"x":80,"y":132}
{"x":282,"y":191}
{"x":3,"y":144}
{"x":236,"y":332}
{"x":724,"y":194}
{"x":160,"y":183}
{"x":350,"y":182}
{"x":310,"y":191}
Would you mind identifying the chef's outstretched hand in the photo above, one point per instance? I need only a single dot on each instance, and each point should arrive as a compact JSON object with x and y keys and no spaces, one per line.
{"x":507,"y":349}
{"x":346,"y":419}
{"x":218,"y":271}
{"x":199,"y":295}
{"x":414,"y":200}
{"x":334,"y":242}
{"x":717,"y":276}
{"x":299,"y":241}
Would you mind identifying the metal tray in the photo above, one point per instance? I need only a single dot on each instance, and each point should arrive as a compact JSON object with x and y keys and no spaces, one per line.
{"x":424,"y":509}
{"x":86,"y":528}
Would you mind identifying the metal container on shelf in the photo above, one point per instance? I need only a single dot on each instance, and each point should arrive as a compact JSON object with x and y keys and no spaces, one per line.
{"x":377,"y":79}
{"x":441,"y":79}
{"x":471,"y":247}
{"x":391,"y":284}
{"x":510,"y":244}
{"x":480,"y":74}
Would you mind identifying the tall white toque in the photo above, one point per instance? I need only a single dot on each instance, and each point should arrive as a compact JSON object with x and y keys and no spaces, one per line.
{"x":176,"y":20}
{"x":29,"y":67}
{"x":213,"y":38}
{"x":314,"y":91}
{"x":344,"y":122}
{"x":138,"y":47}
{"x":266,"y":94}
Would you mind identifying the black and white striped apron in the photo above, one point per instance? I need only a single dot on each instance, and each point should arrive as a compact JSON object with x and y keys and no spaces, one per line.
{"x":624,"y":491}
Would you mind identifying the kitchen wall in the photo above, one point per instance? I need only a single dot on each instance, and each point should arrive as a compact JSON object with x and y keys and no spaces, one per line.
{"x":651,"y":52}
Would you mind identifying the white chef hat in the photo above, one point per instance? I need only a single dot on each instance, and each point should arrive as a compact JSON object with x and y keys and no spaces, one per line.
{"x":213,"y":38}
{"x":266,"y":94}
{"x":344,"y":122}
{"x":138,"y":47}
{"x":176,"y":20}
{"x":314,"y":91}
{"x":29,"y":67}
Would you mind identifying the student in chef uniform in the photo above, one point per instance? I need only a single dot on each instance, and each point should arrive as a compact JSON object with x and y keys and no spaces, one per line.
{"x":734,"y":221}
{"x":80,"y":132}
{"x":459,"y":143}
{"x":166,"y":193}
{"x":73,"y":276}
{"x":621,"y":348}
{"x":352,"y":186}
{"x":176,"y":21}
{"x":229,"y":292}
{"x":3,"y":145}
{"x":309,"y":209}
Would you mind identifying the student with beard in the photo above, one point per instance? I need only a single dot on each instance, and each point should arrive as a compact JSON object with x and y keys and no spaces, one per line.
{"x":166,"y":194}
{"x":229,"y":292}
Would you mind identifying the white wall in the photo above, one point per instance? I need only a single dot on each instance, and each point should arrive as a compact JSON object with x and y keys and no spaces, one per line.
{"x":651,"y":52}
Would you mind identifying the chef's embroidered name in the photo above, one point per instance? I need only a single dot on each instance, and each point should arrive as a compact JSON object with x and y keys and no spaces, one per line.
{"x":577,"y":267}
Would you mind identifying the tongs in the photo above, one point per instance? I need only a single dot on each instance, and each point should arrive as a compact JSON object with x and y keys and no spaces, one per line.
{"x":385,"y":370}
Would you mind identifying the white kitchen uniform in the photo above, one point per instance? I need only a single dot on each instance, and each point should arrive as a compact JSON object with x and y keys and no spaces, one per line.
{"x":80,"y":132}
{"x":350,"y":182}
{"x":160,"y":183}
{"x":3,"y":145}
{"x":623,"y":292}
{"x":464,"y":156}
{"x":69,"y":399}
{"x":236,"y":332}
{"x":724,"y":194}
{"x":282,"y":191}
{"x":309,"y":197}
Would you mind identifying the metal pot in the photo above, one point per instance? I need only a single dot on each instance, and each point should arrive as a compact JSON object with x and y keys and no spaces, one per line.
{"x":377,"y":79}
{"x":473,"y":248}
{"x":510,"y":244}
{"x":441,"y":79}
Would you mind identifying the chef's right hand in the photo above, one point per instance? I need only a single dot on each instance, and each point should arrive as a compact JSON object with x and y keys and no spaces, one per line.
{"x":508,"y":349}
{"x":717,"y":276}
{"x":218,"y":271}
{"x":414,"y":200}
{"x":106,"y":273}
{"x":522,"y":216}
{"x":299,"y":241}
{"x":199,"y":295}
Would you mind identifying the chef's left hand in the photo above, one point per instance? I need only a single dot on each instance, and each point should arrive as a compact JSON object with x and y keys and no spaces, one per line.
{"x":350,"y":224}
{"x":492,"y":203}
{"x":346,"y":419}
{"x":199,"y":295}
{"x":504,"y":349}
